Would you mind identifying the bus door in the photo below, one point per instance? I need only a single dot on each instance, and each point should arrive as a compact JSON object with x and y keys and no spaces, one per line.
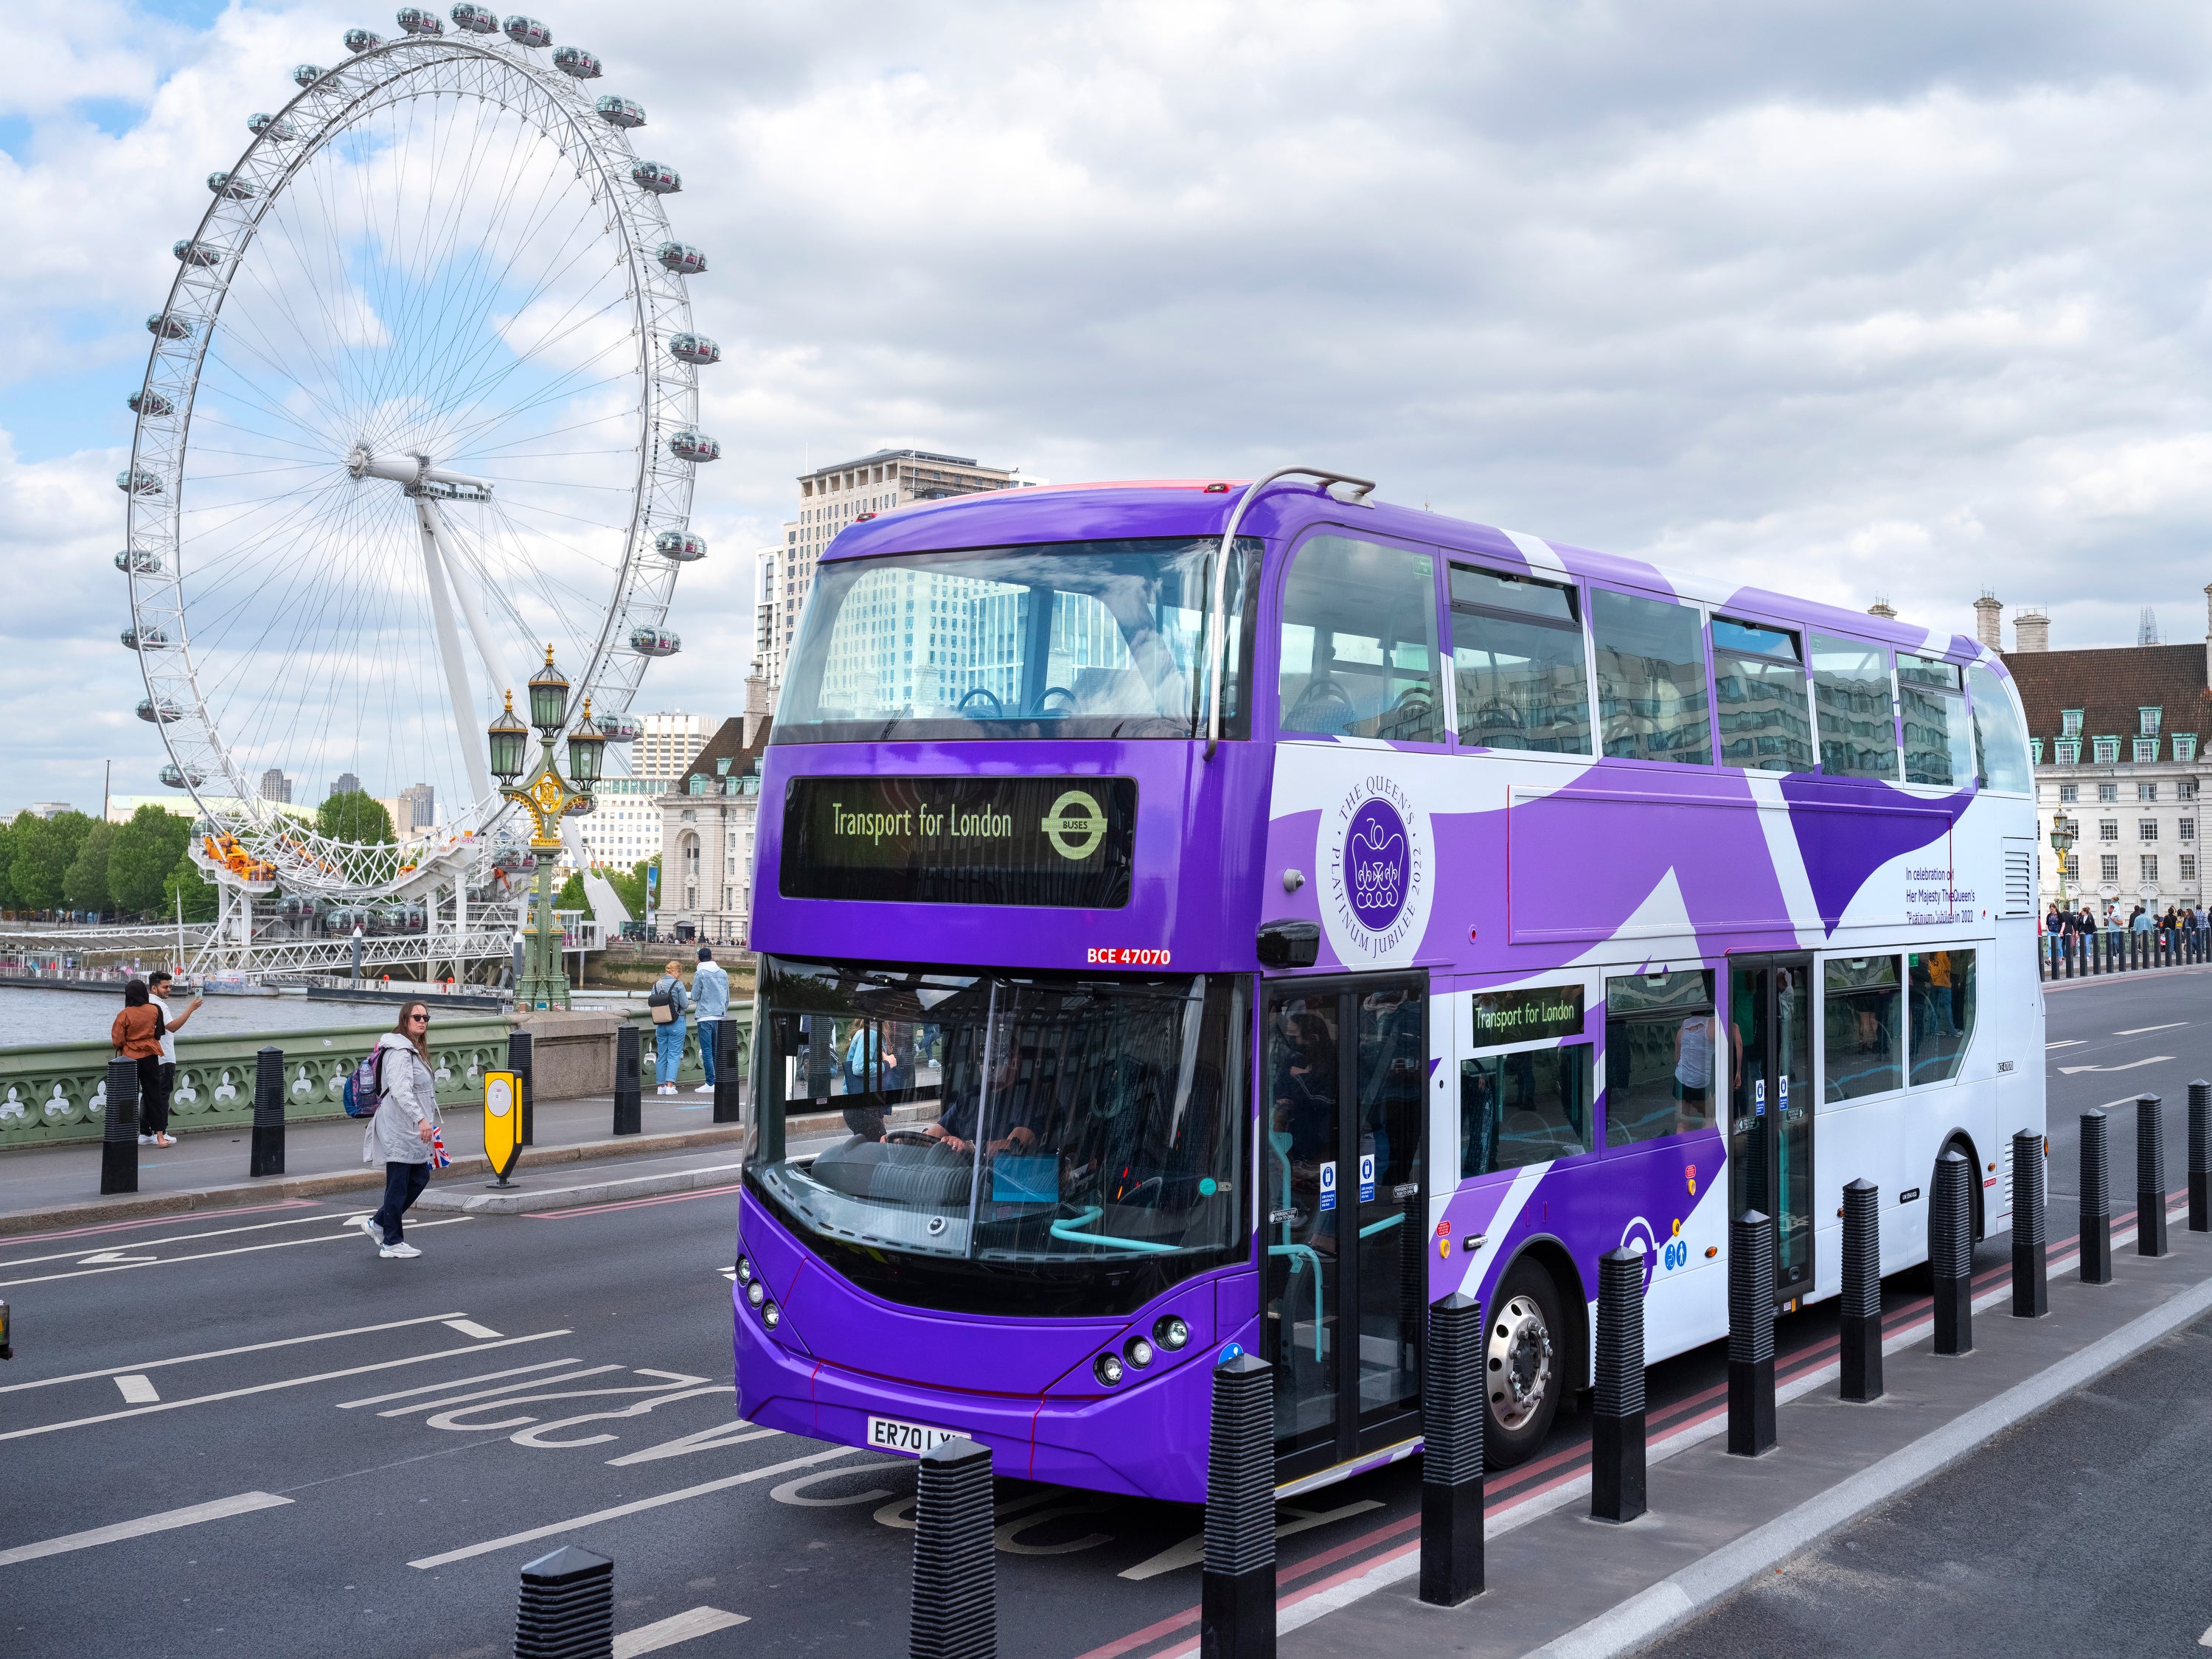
{"x":1770,"y":1011}
{"x":1343,"y":1136}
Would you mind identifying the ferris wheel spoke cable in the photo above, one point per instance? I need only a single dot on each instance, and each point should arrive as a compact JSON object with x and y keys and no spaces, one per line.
{"x":500,"y":373}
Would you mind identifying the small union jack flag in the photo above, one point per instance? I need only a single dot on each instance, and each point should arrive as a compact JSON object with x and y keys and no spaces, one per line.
{"x":438,"y":1158}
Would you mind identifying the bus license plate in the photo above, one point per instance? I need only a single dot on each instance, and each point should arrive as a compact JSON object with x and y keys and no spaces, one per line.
{"x":888,"y":1434}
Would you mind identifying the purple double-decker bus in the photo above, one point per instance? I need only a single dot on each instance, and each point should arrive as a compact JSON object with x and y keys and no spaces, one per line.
{"x":1202,"y":913}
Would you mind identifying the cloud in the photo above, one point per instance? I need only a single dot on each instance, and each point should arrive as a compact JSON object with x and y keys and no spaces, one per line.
{"x":1870,"y":299}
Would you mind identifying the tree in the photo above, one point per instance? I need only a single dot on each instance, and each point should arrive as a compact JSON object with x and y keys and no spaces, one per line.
{"x":145,"y":850}
{"x":8,"y":900}
{"x":85,"y":884}
{"x":630,"y":888}
{"x":571,"y":895}
{"x":44,"y":849}
{"x":350,"y":815}
{"x":197,"y":892}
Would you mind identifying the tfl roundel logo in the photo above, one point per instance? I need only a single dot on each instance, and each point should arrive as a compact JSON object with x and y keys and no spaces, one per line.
{"x":1377,"y":859}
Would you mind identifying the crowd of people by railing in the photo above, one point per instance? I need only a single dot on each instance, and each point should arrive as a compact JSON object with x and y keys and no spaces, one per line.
{"x":2080,"y":941}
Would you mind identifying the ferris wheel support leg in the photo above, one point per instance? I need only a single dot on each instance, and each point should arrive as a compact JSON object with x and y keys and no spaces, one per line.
{"x":463,"y":574}
{"x":449,"y":650}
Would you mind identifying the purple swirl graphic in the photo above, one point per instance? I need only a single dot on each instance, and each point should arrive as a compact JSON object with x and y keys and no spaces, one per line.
{"x":1376,"y":865}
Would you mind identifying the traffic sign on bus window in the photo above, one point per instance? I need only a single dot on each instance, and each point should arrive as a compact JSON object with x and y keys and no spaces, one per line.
{"x":1328,"y":1185}
{"x":1367,"y":1178}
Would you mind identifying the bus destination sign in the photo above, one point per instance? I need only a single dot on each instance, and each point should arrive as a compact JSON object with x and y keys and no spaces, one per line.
{"x":1066,"y":842}
{"x":1549,"y":1010}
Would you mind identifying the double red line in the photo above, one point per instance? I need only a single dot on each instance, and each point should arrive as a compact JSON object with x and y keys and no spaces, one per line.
{"x":1519,"y":1485}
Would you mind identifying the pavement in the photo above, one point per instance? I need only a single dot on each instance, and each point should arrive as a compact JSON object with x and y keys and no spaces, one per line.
{"x":226,"y":1429}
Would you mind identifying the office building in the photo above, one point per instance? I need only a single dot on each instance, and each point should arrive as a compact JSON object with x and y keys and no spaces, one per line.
{"x":276,"y":786}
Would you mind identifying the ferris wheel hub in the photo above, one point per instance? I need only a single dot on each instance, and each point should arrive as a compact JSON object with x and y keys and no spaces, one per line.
{"x":415,"y":475}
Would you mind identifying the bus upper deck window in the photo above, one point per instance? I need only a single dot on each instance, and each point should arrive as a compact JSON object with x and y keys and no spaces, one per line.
{"x":1651,"y":678}
{"x":1517,"y":664}
{"x":2000,"y":745}
{"x":1758,"y":689}
{"x":1851,"y":698}
{"x":1939,"y":745}
{"x":1359,"y":643}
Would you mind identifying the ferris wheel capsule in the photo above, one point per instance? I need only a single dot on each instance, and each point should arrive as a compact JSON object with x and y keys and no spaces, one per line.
{"x":232,"y":186}
{"x":694,"y":349}
{"x":274,"y":127}
{"x":190,"y":252}
{"x":150,"y":402}
{"x":137,"y":481}
{"x":655,"y":641}
{"x":159,"y":711}
{"x":681,"y":258}
{"x":306,"y":75}
{"x":574,"y":60}
{"x":359,"y":40}
{"x":169,"y":325}
{"x":623,"y":112}
{"x":417,"y":20}
{"x":176,"y":777}
{"x":528,"y":31}
{"x":145,"y":639}
{"x":682,"y":545}
{"x":657,"y":177}
{"x":138,"y":561}
{"x":619,"y":728}
{"x":475,"y":19}
{"x":689,"y":445}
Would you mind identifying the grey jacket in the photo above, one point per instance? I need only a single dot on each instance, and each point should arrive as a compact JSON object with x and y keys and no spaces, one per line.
{"x":410,"y":1098}
{"x":710,"y":990}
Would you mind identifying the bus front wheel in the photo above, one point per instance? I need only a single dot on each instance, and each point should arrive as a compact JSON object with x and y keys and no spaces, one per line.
{"x":1524,"y":1370}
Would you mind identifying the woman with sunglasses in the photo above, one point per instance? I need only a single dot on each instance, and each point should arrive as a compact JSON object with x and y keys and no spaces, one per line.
{"x":405,"y":1123}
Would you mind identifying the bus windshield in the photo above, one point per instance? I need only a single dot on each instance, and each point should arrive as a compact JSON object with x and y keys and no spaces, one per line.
{"x":1074,"y":640}
{"x":996,"y":1118}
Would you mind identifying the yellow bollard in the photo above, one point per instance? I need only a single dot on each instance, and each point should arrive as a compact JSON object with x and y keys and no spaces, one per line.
{"x":502,"y":1123}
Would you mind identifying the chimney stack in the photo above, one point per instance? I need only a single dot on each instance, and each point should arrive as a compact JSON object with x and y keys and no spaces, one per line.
{"x":2031,"y":631}
{"x":1989,"y":621}
{"x":758,"y":707}
{"x":1881,"y":607}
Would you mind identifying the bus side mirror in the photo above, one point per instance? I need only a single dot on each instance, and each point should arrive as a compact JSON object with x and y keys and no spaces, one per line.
{"x":1290,"y":944}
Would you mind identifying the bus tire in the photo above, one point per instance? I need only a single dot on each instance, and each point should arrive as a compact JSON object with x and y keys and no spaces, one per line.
{"x":1524,"y":1364}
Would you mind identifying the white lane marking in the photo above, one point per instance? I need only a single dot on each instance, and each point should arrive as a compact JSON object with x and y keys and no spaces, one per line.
{"x":469,"y":1328}
{"x":209,"y":1255}
{"x":266,"y":1388}
{"x":667,"y":1632}
{"x":180,"y":1238}
{"x":1191,"y":1550}
{"x":2205,"y":1640}
{"x":453,"y":1383}
{"x":2068,"y":1071}
{"x":2138,"y":1030}
{"x":506,"y":1389}
{"x":115,"y":1255}
{"x":138,"y":1390}
{"x":722,"y":1434}
{"x":2071,"y":1043}
{"x":245,"y":1504}
{"x":226,"y":1353}
{"x":642,"y":1504}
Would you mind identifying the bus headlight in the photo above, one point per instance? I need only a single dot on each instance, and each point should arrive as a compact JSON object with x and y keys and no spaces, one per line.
{"x":1169,"y":1332}
{"x":755,"y":1293}
{"x":771,"y":1315}
{"x":1140,"y":1352}
{"x":744,"y":1271}
{"x":1109,"y":1369}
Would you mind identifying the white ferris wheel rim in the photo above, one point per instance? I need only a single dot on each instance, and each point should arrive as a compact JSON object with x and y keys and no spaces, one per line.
{"x":321,"y":114}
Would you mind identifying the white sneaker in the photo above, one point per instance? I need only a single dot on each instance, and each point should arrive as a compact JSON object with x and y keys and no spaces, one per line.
{"x":399,"y":1252}
{"x":704,"y":1089}
{"x":145,"y":1141}
{"x":367,"y":1225}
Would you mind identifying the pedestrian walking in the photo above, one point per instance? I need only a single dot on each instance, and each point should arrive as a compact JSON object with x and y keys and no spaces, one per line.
{"x":137,"y":1036}
{"x":153,"y":1108}
{"x":405,"y":1127}
{"x":710,"y":1003}
{"x":667,"y":1002}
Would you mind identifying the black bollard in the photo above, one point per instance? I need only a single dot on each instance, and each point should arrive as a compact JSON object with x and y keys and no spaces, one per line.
{"x":2096,"y":1201}
{"x":1862,"y":1301}
{"x":267,"y":1157}
{"x":7,"y":1331}
{"x":729,"y":1070}
{"x":1751,"y":1335}
{"x":119,"y":1136}
{"x":568,"y":1609}
{"x":517,"y":1061}
{"x":1951,"y":1253}
{"x":955,"y":1588}
{"x":1236,"y":1595}
{"x":2200,"y":1154}
{"x":2150,"y":1177}
{"x":628,"y":1114}
{"x":1617,"y":1465}
{"x":2031,"y":1268}
{"x":1452,"y":1417}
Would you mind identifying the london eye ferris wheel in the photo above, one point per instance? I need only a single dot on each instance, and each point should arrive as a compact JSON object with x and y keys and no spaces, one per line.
{"x":422,"y":402}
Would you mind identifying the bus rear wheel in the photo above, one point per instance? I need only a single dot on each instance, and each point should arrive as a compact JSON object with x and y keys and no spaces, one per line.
{"x":1524,"y":1369}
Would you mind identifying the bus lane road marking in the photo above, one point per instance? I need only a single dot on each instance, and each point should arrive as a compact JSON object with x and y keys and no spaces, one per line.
{"x":268,"y":1387}
{"x":2068,"y":1071}
{"x":138,"y":1390}
{"x":136,"y":1244}
{"x":350,"y":1233}
{"x":191,"y":1515}
{"x":2141,"y":1031}
{"x":679,"y":1627}
{"x":97,"y":1228}
{"x":226,"y":1354}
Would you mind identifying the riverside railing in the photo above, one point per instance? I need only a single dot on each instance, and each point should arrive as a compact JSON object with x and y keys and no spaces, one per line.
{"x":2120,"y":951}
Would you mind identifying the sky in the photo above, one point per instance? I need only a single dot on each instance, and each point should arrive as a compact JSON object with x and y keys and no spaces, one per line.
{"x":1877,"y":299}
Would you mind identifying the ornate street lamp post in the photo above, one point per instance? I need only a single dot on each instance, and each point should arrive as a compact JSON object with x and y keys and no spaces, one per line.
{"x":545,"y":795}
{"x":2062,"y":842}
